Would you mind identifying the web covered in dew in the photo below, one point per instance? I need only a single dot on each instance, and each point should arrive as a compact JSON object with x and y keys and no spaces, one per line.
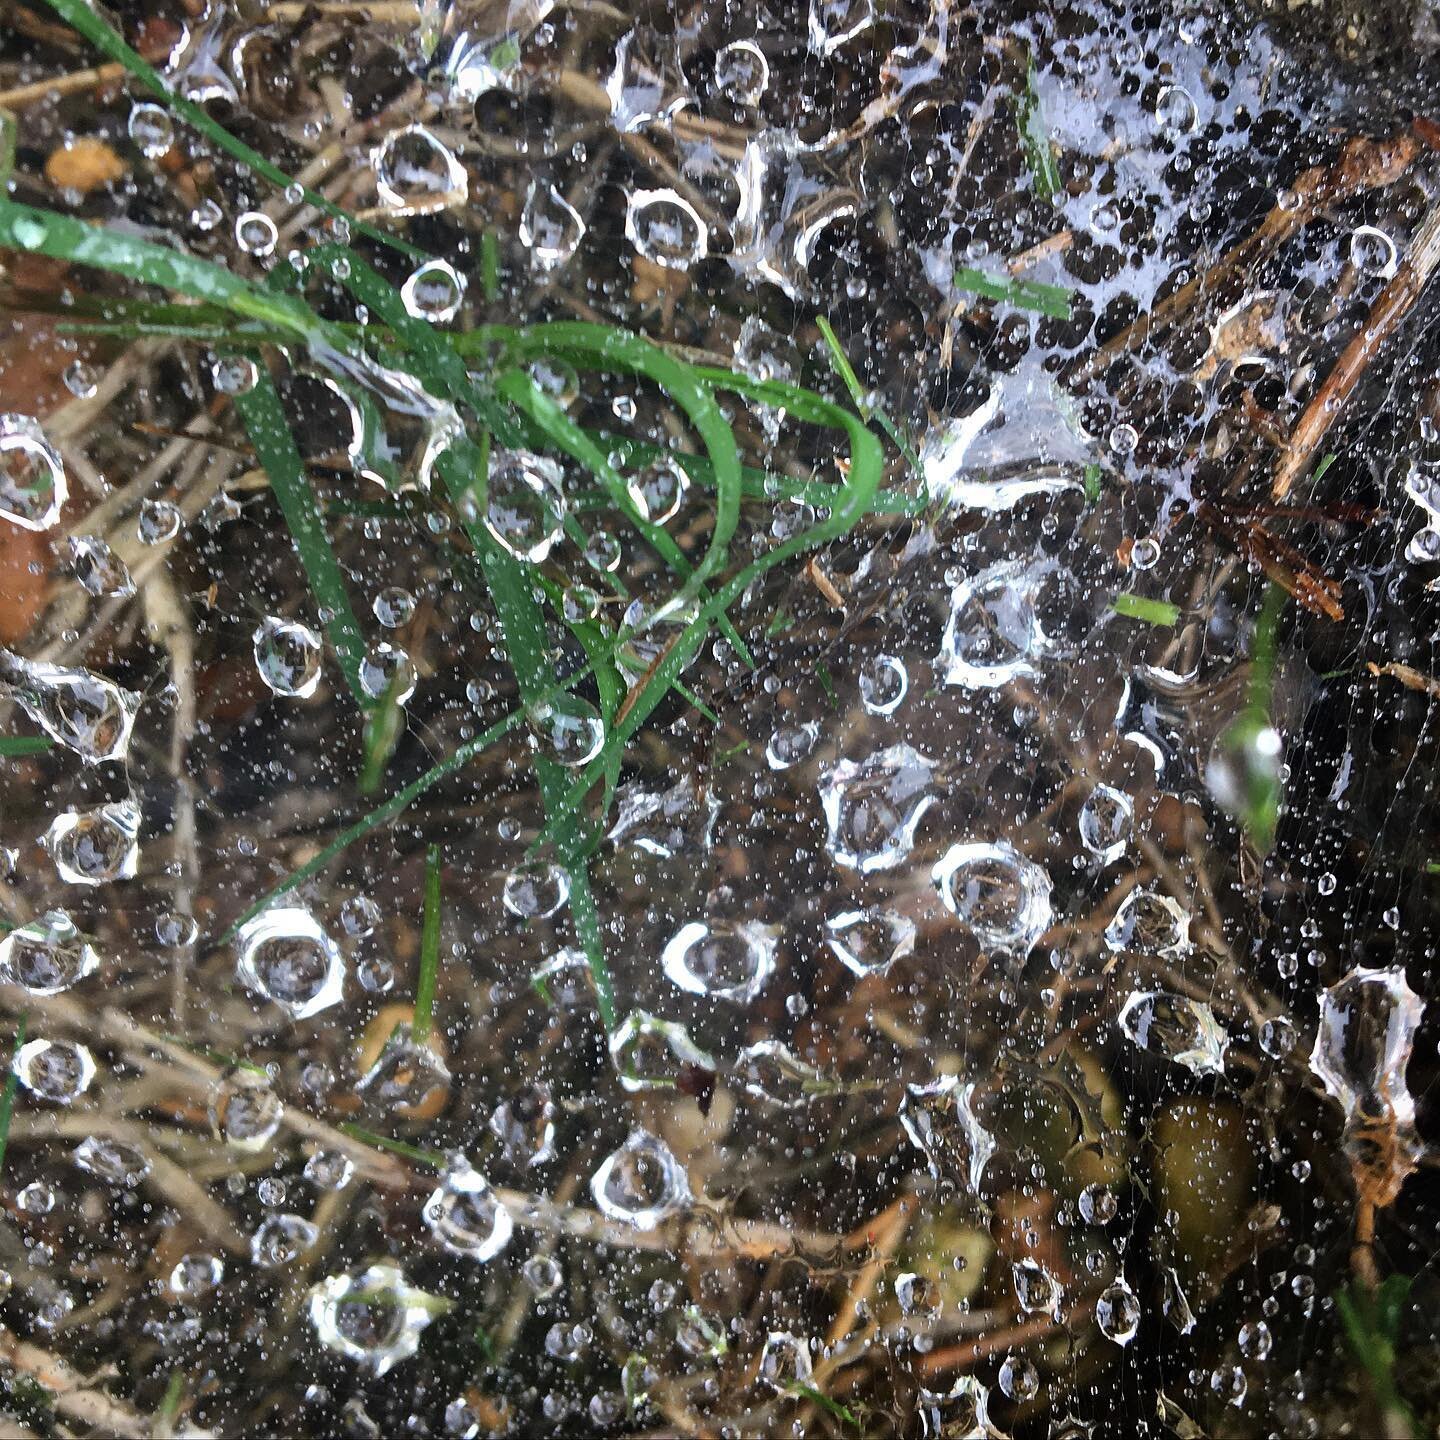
{"x":1018,"y":973}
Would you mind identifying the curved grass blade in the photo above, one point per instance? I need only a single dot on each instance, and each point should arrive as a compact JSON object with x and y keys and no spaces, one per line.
{"x":269,"y":432}
{"x":81,"y":16}
{"x":423,"y":1018}
{"x":840,"y":362}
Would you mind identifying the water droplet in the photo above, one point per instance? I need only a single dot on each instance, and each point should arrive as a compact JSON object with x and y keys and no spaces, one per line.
{"x":151,"y":128}
{"x":94,"y":847}
{"x":665,"y":229}
{"x":81,"y":380}
{"x":287,"y":655}
{"x":1000,"y":895}
{"x":464,"y":1215}
{"x":649,"y":1054}
{"x":791,"y":743}
{"x":659,"y":489}
{"x":726,"y":960}
{"x":372,"y":1316}
{"x":255,"y":233}
{"x":1106,"y":818}
{"x":1175,"y":110}
{"x":832,"y":23}
{"x":434,"y":291}
{"x":883,"y":683}
{"x":37,"y":1198}
{"x":535,"y":890}
{"x":284,"y":956}
{"x":387,"y":673}
{"x":873,"y":806}
{"x":1036,"y":1289}
{"x":742,"y":73}
{"x":82,"y":711}
{"x":234,"y":374}
{"x":280,"y":1240}
{"x":1019,"y":1379}
{"x":869,"y":942}
{"x":196,"y":1274}
{"x":58,"y":1070}
{"x":329,"y":1169}
{"x":940,"y":1120}
{"x":47,"y":955}
{"x":771,"y":1072}
{"x":1183,"y":1030}
{"x":603,"y":552}
{"x":1228,"y":1382}
{"x":393,"y":607}
{"x":407,"y":1079}
{"x":524,"y":504}
{"x":785,"y":1360}
{"x":960,"y":1413}
{"x":244,"y":1111}
{"x":524,"y":1124}
{"x":1254,"y":1340}
{"x":641,"y":1183}
{"x":542,"y":1273}
{"x":1117,"y":1313}
{"x":992,"y":632}
{"x":1150,"y":924}
{"x":1098,"y":1205}
{"x":159,"y":521}
{"x":1372,"y":252}
{"x":570,"y":729}
{"x":99,"y":570}
{"x":665,"y":822}
{"x":33,"y":489}
{"x":550,"y":227}
{"x":1367,"y":1028}
{"x":415,"y":173}
{"x":117,"y":1162}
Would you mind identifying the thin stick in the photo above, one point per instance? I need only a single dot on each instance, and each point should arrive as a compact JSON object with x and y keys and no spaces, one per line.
{"x":1390,"y":308}
{"x":23,"y":95}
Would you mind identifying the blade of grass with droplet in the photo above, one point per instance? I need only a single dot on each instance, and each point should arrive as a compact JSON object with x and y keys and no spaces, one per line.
{"x":269,"y":431}
{"x":1051,"y":300}
{"x":81,"y":16}
{"x":1035,"y":136}
{"x":12,"y":1079}
{"x":1141,"y":607}
{"x":422,"y":1019}
{"x":846,"y":371}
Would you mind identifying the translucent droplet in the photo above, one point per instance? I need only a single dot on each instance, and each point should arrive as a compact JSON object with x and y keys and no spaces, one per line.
{"x":56,"y":1070}
{"x":82,"y":711}
{"x":873,"y":806}
{"x":883,"y":683}
{"x":869,"y":942}
{"x":1106,"y":818}
{"x":785,"y":1361}
{"x":280,"y":1240}
{"x":1175,"y":110}
{"x":287,"y":655}
{"x":1036,"y":1289}
{"x":569,"y":728}
{"x":415,"y":173}
{"x":408,"y":1079}
{"x":196,"y":1274}
{"x":1019,"y":1379}
{"x":790,"y":743}
{"x":1117,"y":1313}
{"x":1098,"y":1205}
{"x":665,"y":229}
{"x":159,"y":521}
{"x":1001,"y":896}
{"x":174,"y":930}
{"x":32,"y":476}
{"x":1255,"y":1340}
{"x":94,"y":847}
{"x":742,"y":73}
{"x":151,"y":128}
{"x":234,"y":374}
{"x":603,"y":552}
{"x":81,"y":380}
{"x":641,"y":1183}
{"x":464,"y":1215}
{"x":524,"y":504}
{"x":940,"y":1120}
{"x":542,"y":1273}
{"x":284,"y":956}
{"x":36,"y":1198}
{"x":98,"y":568}
{"x":1229,"y":1384}
{"x":329,"y":1169}
{"x":1372,"y":252}
{"x":833,"y":23}
{"x":372,"y":1316}
{"x":1150,"y":924}
{"x":1366,"y":1035}
{"x":434,"y":292}
{"x":771,"y":1072}
{"x":650,"y":1054}
{"x":524,"y":1124}
{"x":387,"y":673}
{"x":393,"y":607}
{"x":665,"y":822}
{"x":1183,"y":1030}
{"x":658,"y":490}
{"x":255,"y":233}
{"x":550,"y":227}
{"x":47,"y":955}
{"x":960,"y":1413}
{"x":991,"y":632}
{"x":117,"y":1162}
{"x":244,"y":1110}
{"x":535,"y":890}
{"x":722,"y":959}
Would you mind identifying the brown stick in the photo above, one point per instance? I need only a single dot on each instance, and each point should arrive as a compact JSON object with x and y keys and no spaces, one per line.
{"x":23,"y":95}
{"x":1390,"y":308}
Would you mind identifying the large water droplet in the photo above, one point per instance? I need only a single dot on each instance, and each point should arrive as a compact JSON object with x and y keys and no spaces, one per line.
{"x":47,"y":955}
{"x":524,"y":505}
{"x":372,"y":1316}
{"x":100,"y":571}
{"x":833,"y":23}
{"x":415,"y":173}
{"x":641,"y":1183}
{"x":82,"y":711}
{"x":284,"y":956}
{"x":287,"y":655}
{"x":94,"y":847}
{"x":1150,"y":924}
{"x":869,"y":942}
{"x":244,"y":1111}
{"x":1117,"y":1313}
{"x":550,"y":227}
{"x":1183,"y":1030}
{"x":464,"y":1215}
{"x":280,"y":1240}
{"x":872,"y":807}
{"x":32,"y":475}
{"x":1003,"y":897}
{"x":117,"y":1162}
{"x":434,"y":292}
{"x":1036,"y":1289}
{"x":726,"y":960}
{"x":992,"y":631}
{"x":57,"y":1070}
{"x":665,"y":822}
{"x":570,"y":729}
{"x":665,"y":228}
{"x":650,"y":1054}
{"x":1105,"y":821}
{"x":940,"y":1120}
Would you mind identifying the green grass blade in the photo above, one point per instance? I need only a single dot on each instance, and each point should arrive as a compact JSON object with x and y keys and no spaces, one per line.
{"x":424,"y":1016}
{"x":12,"y":1079}
{"x":12,"y":746}
{"x":1035,"y":138}
{"x":104,"y":37}
{"x":269,"y":432}
{"x":1140,"y":607}
{"x":1052,"y":300}
{"x":846,"y":371}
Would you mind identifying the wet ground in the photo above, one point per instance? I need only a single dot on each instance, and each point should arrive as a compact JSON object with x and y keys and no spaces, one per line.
{"x":1015,"y":1009}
